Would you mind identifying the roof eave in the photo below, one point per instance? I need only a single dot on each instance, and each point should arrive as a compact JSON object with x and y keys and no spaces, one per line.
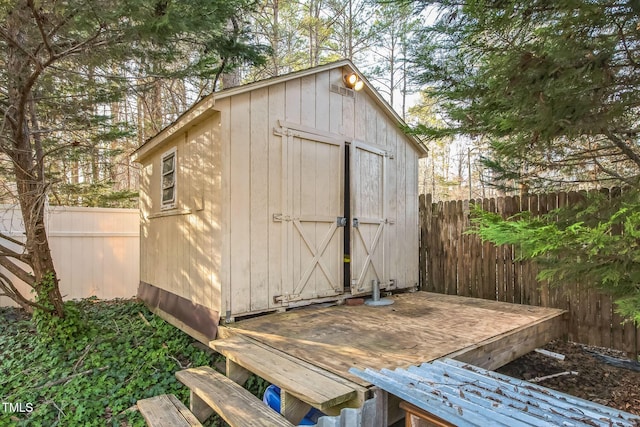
{"x":201,"y":110}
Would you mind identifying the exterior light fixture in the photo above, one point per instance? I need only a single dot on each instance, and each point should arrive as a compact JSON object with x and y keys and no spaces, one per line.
{"x":352,"y":81}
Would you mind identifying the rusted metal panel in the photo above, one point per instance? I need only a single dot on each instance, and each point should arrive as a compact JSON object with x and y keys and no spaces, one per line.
{"x":197,"y":317}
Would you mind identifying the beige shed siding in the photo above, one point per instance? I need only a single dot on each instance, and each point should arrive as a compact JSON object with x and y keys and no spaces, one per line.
{"x":223,"y":248}
{"x":178,"y":250}
{"x":259,"y":299}
{"x":400,"y":253}
{"x":373,"y":127}
{"x":240,"y":226}
{"x":336,"y":111}
{"x":254,"y":186}
{"x":308,"y":93}
{"x":393,"y":243}
{"x":413,"y":228}
{"x":225,"y":197}
{"x":214,"y":207}
{"x":276,"y":259}
{"x":253,"y":258}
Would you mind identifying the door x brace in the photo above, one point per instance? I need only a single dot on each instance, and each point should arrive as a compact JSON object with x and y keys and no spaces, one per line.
{"x":317,"y":256}
{"x":370,"y":251}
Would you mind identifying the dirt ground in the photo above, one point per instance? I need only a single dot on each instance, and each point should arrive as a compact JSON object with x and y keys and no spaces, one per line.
{"x":596,"y":379}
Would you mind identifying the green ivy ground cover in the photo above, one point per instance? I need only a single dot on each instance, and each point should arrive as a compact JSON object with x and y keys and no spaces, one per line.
{"x":93,"y":380}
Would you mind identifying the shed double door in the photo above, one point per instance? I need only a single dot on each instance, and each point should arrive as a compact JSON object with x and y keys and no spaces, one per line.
{"x":369,"y":222}
{"x":315,"y":181}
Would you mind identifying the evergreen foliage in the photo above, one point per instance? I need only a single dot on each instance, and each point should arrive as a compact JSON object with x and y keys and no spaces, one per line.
{"x":65,"y":66}
{"x":598,"y":248}
{"x":552,"y":86}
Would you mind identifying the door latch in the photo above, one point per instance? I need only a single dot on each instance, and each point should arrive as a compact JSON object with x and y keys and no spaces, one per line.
{"x":341,"y":221}
{"x":356,"y":222}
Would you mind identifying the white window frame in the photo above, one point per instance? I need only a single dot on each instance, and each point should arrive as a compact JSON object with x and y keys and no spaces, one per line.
{"x":169,"y":204}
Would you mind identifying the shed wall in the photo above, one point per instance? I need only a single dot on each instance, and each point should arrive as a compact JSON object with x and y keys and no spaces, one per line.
{"x":252,"y":257}
{"x":180,"y":250}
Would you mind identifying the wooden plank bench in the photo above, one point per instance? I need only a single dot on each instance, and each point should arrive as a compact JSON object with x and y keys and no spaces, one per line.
{"x":301,"y":386}
{"x":212,"y":391}
{"x":166,"y":411}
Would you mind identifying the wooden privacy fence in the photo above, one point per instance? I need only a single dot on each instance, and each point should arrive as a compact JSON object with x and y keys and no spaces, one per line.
{"x":96,"y":251}
{"x":452,"y":262}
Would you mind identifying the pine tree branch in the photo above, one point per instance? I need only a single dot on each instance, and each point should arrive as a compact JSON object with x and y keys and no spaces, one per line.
{"x":627,"y":51}
{"x":5,"y":35}
{"x":614,"y":174}
{"x":624,"y":147}
{"x":40,"y":23}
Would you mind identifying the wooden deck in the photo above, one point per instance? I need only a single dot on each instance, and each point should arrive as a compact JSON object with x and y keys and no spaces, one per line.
{"x":419,"y":327}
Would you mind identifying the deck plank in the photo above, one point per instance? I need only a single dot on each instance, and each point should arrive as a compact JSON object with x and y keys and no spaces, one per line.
{"x":235,"y":405}
{"x":418,"y":327}
{"x":309,"y":386}
{"x":166,"y":411}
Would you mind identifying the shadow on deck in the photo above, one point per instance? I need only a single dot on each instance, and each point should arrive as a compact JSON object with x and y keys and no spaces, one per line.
{"x":419,"y":327}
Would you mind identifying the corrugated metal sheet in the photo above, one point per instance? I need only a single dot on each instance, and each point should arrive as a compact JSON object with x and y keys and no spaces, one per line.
{"x":466,"y":395}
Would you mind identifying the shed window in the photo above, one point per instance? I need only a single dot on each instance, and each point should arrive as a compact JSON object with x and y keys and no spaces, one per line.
{"x":169,"y":179}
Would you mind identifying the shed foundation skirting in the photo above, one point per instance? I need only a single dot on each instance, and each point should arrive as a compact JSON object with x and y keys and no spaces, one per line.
{"x":202,"y":322}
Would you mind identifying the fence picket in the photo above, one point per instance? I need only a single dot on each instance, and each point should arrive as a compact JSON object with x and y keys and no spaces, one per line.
{"x":96,"y":251}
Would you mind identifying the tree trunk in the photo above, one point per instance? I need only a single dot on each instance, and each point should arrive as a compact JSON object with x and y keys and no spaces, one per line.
{"x":275,"y":41}
{"x":31,"y":195}
{"x":26,"y":154}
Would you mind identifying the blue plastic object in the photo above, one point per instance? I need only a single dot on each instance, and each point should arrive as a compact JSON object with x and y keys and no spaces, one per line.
{"x":272,"y":398}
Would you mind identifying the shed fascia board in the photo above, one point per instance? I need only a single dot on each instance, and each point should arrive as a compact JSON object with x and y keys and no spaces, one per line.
{"x":208,"y":103}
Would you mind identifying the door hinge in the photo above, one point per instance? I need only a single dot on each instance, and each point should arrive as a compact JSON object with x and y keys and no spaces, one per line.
{"x":281,"y":217}
{"x":286,"y":298}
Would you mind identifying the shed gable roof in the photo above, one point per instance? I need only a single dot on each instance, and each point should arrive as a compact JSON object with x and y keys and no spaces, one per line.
{"x":205,"y":107}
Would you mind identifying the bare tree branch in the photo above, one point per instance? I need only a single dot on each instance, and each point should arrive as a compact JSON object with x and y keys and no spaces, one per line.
{"x":17,"y":271}
{"x":613,"y":173}
{"x":12,"y":292}
{"x":4,"y":251}
{"x":11,"y":239}
{"x":40,"y":22}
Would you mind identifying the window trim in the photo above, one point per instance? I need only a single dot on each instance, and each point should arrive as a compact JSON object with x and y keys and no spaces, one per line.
{"x":172,"y":203}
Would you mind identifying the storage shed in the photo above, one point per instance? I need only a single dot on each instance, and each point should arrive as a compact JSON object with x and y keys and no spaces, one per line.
{"x":285,"y":192}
